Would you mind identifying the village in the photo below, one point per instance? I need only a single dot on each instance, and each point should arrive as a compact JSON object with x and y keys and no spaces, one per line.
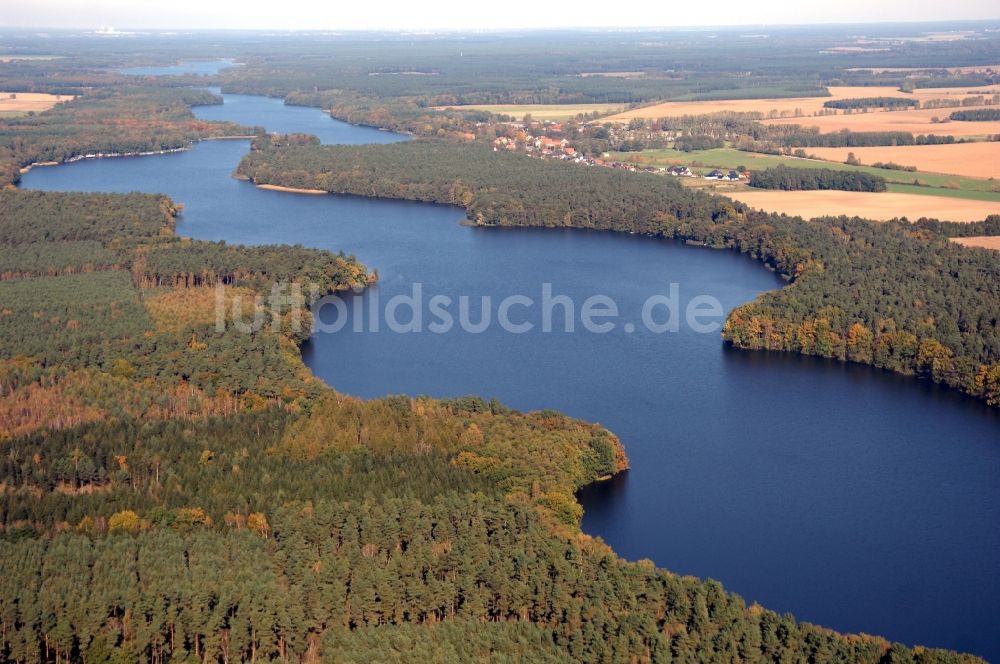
{"x":545,"y":139}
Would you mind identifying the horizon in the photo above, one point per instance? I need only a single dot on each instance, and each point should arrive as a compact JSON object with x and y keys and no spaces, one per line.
{"x":125,"y":30}
{"x":452,"y":16}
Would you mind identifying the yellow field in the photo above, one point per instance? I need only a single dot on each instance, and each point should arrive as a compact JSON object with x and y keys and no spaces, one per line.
{"x":975,"y":160}
{"x":800,"y":106}
{"x":879,"y":206}
{"x":915,"y":122}
{"x":984,"y":241}
{"x":29,"y":101}
{"x":553,"y":112}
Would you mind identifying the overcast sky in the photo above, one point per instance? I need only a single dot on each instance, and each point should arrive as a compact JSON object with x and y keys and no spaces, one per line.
{"x":454,"y":14}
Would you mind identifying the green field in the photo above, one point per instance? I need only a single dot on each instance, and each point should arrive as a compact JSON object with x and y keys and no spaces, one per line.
{"x":931,"y":184}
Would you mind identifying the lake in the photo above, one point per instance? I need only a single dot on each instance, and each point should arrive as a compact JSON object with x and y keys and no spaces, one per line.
{"x":199,"y":67}
{"x":853,"y":498}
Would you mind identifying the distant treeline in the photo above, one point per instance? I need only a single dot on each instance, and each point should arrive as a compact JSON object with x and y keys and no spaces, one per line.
{"x":941,"y":326}
{"x":697,"y":142}
{"x":794,"y":136}
{"x":792,"y":179}
{"x":977,"y":115}
{"x":872,"y":102}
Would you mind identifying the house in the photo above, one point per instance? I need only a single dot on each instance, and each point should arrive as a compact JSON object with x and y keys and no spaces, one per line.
{"x":680,"y":171}
{"x":715,"y":174}
{"x":546,"y":143}
{"x":732,"y":176}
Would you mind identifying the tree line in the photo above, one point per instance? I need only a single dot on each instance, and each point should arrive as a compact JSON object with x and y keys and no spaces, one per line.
{"x":872,"y":102}
{"x":976,"y":115}
{"x":793,"y":179}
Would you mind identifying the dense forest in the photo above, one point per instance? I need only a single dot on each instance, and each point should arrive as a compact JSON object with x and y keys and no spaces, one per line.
{"x":411,"y":520}
{"x":881,"y":294}
{"x":106,"y":312}
{"x":792,"y":179}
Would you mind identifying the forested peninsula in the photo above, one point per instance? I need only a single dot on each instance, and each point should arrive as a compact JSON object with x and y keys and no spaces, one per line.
{"x":108,"y":121}
{"x":896,"y":295}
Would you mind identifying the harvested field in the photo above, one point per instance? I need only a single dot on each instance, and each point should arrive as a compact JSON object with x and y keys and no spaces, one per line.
{"x":779,"y":107}
{"x":880,"y":206}
{"x":22,"y":102}
{"x":792,"y":107}
{"x":915,"y":121}
{"x":984,"y":241}
{"x":976,"y":160}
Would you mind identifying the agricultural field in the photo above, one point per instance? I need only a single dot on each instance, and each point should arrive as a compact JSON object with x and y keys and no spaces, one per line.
{"x":983,"y":241}
{"x":977,"y":160}
{"x":799,"y":106}
{"x":555,"y":112}
{"x":930,"y":184}
{"x":22,"y":102}
{"x":920,"y":121}
{"x":878,"y":206}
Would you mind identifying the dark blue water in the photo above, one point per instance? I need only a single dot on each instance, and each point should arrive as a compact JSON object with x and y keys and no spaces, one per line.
{"x":202,"y":67}
{"x":853,"y":498}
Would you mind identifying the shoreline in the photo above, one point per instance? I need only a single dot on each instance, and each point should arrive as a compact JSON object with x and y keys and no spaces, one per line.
{"x":290,"y":190}
{"x":116,"y":155}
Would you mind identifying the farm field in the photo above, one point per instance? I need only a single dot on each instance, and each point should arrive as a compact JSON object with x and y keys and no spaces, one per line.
{"x":541,"y":111}
{"x":29,"y":101}
{"x":932,"y":184}
{"x":980,"y":160}
{"x":914,"y":121}
{"x":796,"y":106}
{"x":983,"y":241}
{"x":877,"y":206}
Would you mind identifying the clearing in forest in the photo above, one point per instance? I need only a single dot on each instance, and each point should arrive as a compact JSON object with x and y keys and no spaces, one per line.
{"x":22,"y":102}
